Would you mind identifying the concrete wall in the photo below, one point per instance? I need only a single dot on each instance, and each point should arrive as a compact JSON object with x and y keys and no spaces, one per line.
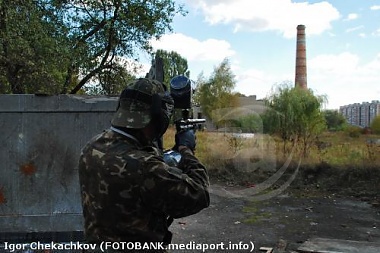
{"x":41,"y":138}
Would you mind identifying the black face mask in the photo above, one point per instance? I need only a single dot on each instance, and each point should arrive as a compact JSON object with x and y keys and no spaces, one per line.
{"x":162,"y":109}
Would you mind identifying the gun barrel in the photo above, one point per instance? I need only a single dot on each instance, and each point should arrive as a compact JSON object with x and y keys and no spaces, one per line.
{"x":185,"y":124}
{"x":194,"y":121}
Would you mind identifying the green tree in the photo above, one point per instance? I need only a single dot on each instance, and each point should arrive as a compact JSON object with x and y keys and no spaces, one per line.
{"x":113,"y":80}
{"x":63,"y":45}
{"x":250,"y":123}
{"x":201,"y":80}
{"x":216,"y":93}
{"x":375,"y":125}
{"x":33,"y":48}
{"x":295,"y":115}
{"x":174,"y":64}
{"x":334,"y":120}
{"x":103,"y":30}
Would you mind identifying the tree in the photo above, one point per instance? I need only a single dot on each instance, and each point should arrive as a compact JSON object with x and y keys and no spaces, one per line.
{"x":250,"y":123}
{"x":295,"y":115}
{"x":113,"y":80}
{"x":334,"y":120}
{"x":174,"y":64}
{"x":67,"y":44}
{"x":102,"y":30}
{"x":201,"y":80}
{"x":375,"y":125}
{"x":216,"y":93}
{"x":33,"y":48}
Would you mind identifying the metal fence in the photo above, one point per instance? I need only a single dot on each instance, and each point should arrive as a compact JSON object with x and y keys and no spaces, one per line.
{"x":41,"y":138}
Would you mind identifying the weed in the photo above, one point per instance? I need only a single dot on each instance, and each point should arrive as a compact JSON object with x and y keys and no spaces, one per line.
{"x":255,"y":215}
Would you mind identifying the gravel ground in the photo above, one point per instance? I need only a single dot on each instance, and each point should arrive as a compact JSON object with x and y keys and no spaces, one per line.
{"x":237,"y":222}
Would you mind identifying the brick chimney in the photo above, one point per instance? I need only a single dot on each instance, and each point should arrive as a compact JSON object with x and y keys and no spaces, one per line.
{"x":301,"y":70}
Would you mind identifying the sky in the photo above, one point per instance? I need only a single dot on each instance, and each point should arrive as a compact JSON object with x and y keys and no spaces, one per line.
{"x":258,"y":37}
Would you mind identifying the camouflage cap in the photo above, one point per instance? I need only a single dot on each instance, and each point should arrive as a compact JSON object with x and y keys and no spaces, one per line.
{"x":135,"y":105}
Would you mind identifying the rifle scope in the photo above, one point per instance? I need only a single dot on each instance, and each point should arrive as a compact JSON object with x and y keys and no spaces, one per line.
{"x":181,"y":92}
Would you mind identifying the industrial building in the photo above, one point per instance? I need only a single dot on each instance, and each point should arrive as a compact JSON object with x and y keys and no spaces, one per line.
{"x":301,"y":68}
{"x":361,"y":115}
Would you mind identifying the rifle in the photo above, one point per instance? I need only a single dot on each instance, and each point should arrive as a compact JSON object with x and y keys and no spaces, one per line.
{"x":181,"y":91}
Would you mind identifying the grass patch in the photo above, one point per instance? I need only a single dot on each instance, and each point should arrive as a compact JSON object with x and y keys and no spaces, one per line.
{"x":255,"y":215}
{"x":337,"y":163}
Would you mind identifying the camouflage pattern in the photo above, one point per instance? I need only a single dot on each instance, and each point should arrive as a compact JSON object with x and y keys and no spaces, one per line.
{"x":133,"y":113}
{"x":128,"y":192}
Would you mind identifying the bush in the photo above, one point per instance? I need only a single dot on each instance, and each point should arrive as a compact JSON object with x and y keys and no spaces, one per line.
{"x":375,"y":125}
{"x":334,"y":120}
{"x":353,"y":131}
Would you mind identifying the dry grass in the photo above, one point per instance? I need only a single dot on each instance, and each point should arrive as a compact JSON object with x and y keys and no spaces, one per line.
{"x":336,"y":149}
{"x":340,"y":161}
{"x":222,"y":153}
{"x":212,"y":148}
{"x":343,"y":150}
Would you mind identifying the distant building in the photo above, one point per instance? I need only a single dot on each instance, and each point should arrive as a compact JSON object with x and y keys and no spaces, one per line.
{"x":361,"y":115}
{"x":252,"y":103}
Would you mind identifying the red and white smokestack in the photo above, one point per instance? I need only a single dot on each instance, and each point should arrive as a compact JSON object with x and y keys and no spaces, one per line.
{"x":301,"y":70}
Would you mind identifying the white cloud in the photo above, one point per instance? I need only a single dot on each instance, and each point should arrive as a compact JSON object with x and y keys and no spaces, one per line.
{"x":257,"y":82}
{"x":375,"y":7}
{"x":253,"y":82}
{"x":193,"y":49}
{"x":202,"y":56}
{"x":264,"y":15}
{"x":354,"y":28}
{"x":351,"y":16}
{"x":344,"y":79}
{"x":373,"y":67}
{"x":376,"y":33}
{"x":336,"y":64}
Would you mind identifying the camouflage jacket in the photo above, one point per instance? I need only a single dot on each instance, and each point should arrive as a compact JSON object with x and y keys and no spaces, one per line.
{"x":128,"y":192}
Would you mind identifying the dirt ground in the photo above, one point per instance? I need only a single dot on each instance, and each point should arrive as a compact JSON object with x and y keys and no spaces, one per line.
{"x":240,"y":222}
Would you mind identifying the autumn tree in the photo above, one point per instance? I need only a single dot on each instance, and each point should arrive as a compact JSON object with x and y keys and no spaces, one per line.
{"x":217,"y":92}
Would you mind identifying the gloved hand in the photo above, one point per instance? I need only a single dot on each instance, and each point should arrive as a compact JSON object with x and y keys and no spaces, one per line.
{"x":185,"y":138}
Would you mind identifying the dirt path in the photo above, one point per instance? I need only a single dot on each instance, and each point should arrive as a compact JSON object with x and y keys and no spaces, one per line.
{"x":230,"y":220}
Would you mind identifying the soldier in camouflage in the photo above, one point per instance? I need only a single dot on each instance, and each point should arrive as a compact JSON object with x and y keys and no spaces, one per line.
{"x":129,"y":194}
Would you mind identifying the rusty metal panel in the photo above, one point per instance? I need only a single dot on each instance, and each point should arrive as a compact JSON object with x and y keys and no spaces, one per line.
{"x":41,"y":138}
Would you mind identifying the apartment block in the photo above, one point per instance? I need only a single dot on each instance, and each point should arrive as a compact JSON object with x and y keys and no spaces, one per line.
{"x":361,"y":115}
